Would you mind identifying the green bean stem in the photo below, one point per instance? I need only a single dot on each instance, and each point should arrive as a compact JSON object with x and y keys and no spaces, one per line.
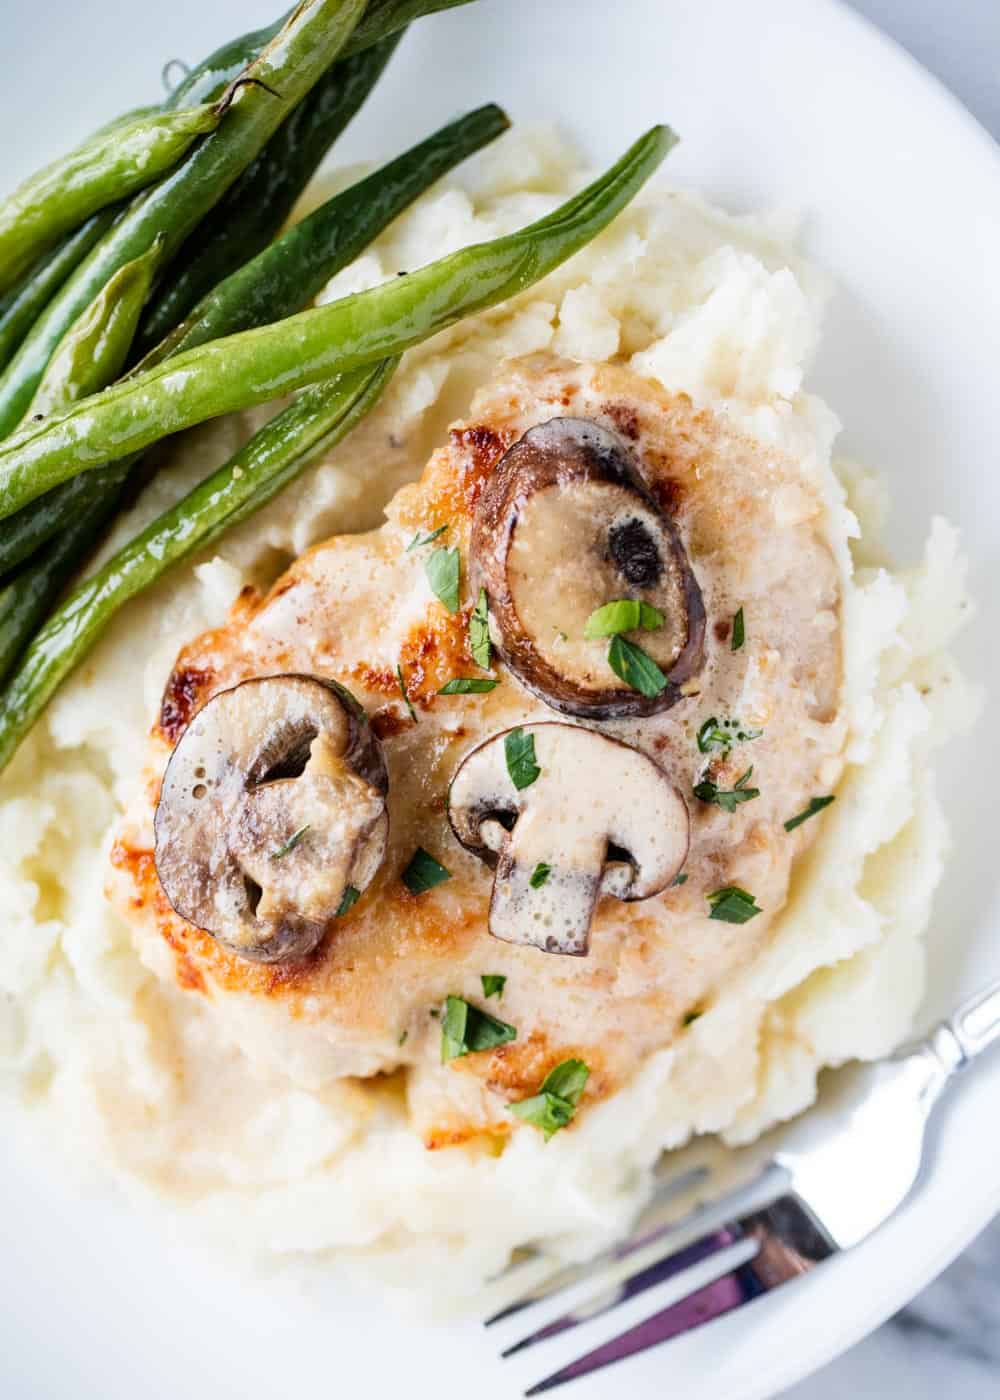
{"x":106,"y":170}
{"x":247,"y":218}
{"x":24,"y":305}
{"x":285,"y":277}
{"x":292,"y":441}
{"x":91,"y":354}
{"x":293,"y":61}
{"x":270,"y":361}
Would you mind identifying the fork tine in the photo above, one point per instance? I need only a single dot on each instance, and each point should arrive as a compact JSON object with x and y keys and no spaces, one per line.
{"x":650,"y":1225}
{"x":790,"y":1243}
{"x":723,"y":1295}
{"x":667,"y":1266}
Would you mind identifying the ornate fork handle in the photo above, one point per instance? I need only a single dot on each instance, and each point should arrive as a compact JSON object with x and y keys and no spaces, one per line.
{"x":976,"y":1023}
{"x":969,"y":1031}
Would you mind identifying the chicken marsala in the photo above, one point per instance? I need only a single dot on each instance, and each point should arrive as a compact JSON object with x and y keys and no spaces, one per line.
{"x":619,"y":797}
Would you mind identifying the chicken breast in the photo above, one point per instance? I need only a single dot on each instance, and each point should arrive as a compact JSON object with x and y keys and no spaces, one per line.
{"x":360,"y":609}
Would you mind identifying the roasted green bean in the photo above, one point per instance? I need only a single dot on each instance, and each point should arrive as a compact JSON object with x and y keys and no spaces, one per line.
{"x":310,"y":426}
{"x":277,"y":283}
{"x":273,"y":360}
{"x":94,"y":350}
{"x":90,"y":355}
{"x":105,"y":170}
{"x":297,"y":56}
{"x":247,"y":218}
{"x":26,"y":302}
{"x":381,"y":19}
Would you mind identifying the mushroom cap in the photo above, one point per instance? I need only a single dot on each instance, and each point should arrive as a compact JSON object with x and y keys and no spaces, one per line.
{"x":601,"y":815}
{"x":272,"y":805}
{"x":564,"y":524}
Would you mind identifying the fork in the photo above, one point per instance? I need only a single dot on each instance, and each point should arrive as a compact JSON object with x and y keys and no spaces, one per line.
{"x":836,"y":1176}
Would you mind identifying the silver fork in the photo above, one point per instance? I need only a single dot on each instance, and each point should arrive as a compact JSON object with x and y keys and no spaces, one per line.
{"x":837,"y":1175}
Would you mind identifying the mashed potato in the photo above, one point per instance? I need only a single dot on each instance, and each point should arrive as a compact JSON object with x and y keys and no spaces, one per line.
{"x":99,"y":1047}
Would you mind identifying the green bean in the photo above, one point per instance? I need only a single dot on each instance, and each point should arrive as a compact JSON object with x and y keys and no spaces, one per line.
{"x":270,"y":361}
{"x":94,"y":350}
{"x":103,"y":171}
{"x":25,"y":303}
{"x":288,"y":274}
{"x":309,"y":427}
{"x":278,"y":282}
{"x":381,"y":19}
{"x":251,"y":213}
{"x":90,"y":355}
{"x":290,"y":65}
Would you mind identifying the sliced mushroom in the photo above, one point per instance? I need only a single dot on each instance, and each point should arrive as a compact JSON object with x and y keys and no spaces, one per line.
{"x":600,"y":818}
{"x":272,"y":806}
{"x":565,"y":524}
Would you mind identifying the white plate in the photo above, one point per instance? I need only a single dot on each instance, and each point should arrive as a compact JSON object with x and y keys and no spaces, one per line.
{"x":790,"y":101}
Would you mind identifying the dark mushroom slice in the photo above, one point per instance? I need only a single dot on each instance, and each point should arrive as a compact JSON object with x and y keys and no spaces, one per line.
{"x":273,"y":804}
{"x":601,"y":818}
{"x":565,"y":524}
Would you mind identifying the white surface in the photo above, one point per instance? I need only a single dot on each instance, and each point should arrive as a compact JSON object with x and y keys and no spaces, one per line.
{"x":779,"y":101}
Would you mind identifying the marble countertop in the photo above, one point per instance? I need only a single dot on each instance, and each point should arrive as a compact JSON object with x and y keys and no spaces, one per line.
{"x":947,"y":1342}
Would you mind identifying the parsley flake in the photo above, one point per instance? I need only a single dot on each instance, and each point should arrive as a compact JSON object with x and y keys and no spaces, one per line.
{"x":348,"y":901}
{"x":622,"y":615}
{"x":680,"y":879}
{"x":733,"y":905}
{"x":424,"y":872}
{"x":540,"y":874}
{"x":420,"y":540}
{"x":556,"y":1101}
{"x":468,"y":685}
{"x":465,"y":1030}
{"x":816,"y":804}
{"x":403,"y":691}
{"x":739,"y":631}
{"x":519,"y":751}
{"x":479,"y":631}
{"x":493,"y":984}
{"x":403,"y":1037}
{"x":691,"y":1016}
{"x":716,"y":735}
{"x":291,"y":843}
{"x":636,"y":668}
{"x":443,"y":570}
{"x":727,"y":799}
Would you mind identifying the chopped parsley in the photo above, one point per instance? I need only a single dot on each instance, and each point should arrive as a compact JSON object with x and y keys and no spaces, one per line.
{"x":493,"y":984}
{"x":739,"y":631}
{"x":680,"y":879}
{"x":468,"y":685}
{"x":424,"y":872}
{"x":539,"y":875}
{"x":622,"y":615}
{"x":556,"y":1101}
{"x":635,"y":668}
{"x":443,"y":570}
{"x":716,"y":735}
{"x":403,"y":1037}
{"x":479,"y":632}
{"x":733,"y":905}
{"x":403,"y":691}
{"x":816,"y":804}
{"x":728,"y":799}
{"x":350,"y":898}
{"x":519,"y":751}
{"x":691,"y":1016}
{"x":465,"y":1030}
{"x":420,"y":540}
{"x":291,"y":843}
